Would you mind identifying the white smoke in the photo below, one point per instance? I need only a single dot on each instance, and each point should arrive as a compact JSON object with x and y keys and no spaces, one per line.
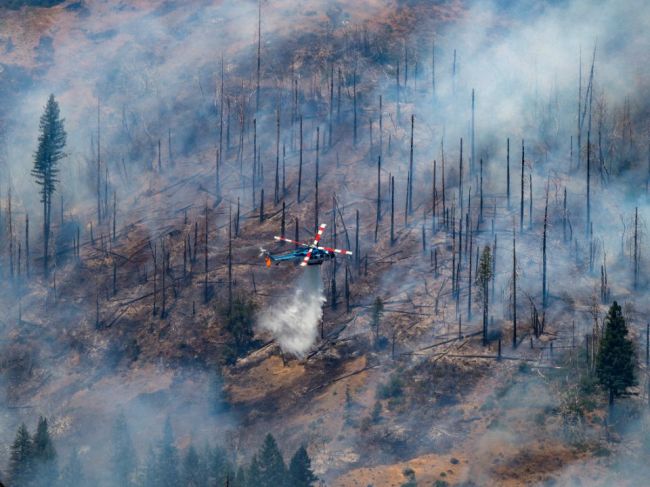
{"x":294,"y":319}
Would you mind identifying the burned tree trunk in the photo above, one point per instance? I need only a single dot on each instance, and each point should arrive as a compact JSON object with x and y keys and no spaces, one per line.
{"x":636,"y":247}
{"x":259,"y":55}
{"x":434,"y":197}
{"x":27,"y":244}
{"x":588,"y":183}
{"x":354,"y":103}
{"x":378,"y":216}
{"x":282,"y":223}
{"x":300,"y":162}
{"x":316,"y":222}
{"x":392,"y":210}
{"x":205,"y":259}
{"x":521,"y":208}
{"x":411,"y":173}
{"x":481,"y":194}
{"x":276,"y":197}
{"x":544,"y":287}
{"x":262,"y":205}
{"x":514,"y":290}
{"x":230,"y":262}
{"x":508,"y":170}
{"x":357,"y":253}
{"x":460,"y":178}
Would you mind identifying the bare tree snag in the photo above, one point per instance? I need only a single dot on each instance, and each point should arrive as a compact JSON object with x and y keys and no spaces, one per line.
{"x":514,"y":290}
{"x":508,"y":170}
{"x":392,"y":210}
{"x":521,"y":208}
{"x":300,"y":163}
{"x":411,"y":170}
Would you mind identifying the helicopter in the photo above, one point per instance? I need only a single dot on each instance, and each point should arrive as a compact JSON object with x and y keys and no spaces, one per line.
{"x":305,"y":254}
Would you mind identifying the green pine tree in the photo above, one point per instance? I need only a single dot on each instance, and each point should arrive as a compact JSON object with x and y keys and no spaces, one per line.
{"x":240,"y":319}
{"x":21,"y":469}
{"x":240,"y":478}
{"x":51,"y":142}
{"x":123,"y":455}
{"x":44,"y":455}
{"x":72,"y":474}
{"x":615,"y":361}
{"x":192,"y":475}
{"x":254,"y":475}
{"x":300,"y":472}
{"x":272,"y":468}
{"x":151,"y":477}
{"x":219,"y":466}
{"x":168,"y":458}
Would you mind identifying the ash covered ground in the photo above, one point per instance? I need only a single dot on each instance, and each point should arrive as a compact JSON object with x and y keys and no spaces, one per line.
{"x":487,"y":163}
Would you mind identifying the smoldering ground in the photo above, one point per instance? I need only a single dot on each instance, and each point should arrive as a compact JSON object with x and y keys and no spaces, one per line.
{"x":517,"y":60}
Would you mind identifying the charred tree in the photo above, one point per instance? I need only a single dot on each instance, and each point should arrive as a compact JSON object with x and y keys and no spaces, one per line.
{"x":521,"y":208}
{"x":27,"y":244}
{"x":276,"y":197}
{"x":514,"y":290}
{"x":300,"y":162}
{"x":205,"y":259}
{"x":354,"y":104}
{"x":378,"y":215}
{"x":316,"y":178}
{"x":588,"y":225}
{"x":259,"y":55}
{"x":411,"y":170}
{"x":508,"y":170}
{"x":544,"y":285}
{"x":392,"y":210}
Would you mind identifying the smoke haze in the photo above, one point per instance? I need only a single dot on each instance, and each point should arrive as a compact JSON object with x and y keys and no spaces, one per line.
{"x":293,"y":320}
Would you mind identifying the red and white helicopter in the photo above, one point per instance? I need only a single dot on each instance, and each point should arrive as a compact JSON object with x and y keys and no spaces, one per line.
{"x":305,"y":254}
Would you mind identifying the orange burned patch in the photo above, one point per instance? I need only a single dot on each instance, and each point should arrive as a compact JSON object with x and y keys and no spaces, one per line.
{"x":502,"y":460}
{"x":427,"y":468}
{"x":257,"y":382}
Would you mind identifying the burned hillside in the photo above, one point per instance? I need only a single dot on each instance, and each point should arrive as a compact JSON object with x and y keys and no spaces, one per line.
{"x":486,"y":166}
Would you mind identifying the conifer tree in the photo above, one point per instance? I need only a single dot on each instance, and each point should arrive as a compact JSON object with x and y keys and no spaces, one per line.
{"x":51,"y":143}
{"x":44,"y":455}
{"x":273,"y":471}
{"x":615,"y":361}
{"x":72,"y":474}
{"x":240,"y":319}
{"x":192,"y":473}
{"x":240,"y":478}
{"x":254,"y":475}
{"x":123,"y":455}
{"x":151,"y":473}
{"x":168,"y":459}
{"x":219,"y":466}
{"x":300,"y":472}
{"x":21,"y":458}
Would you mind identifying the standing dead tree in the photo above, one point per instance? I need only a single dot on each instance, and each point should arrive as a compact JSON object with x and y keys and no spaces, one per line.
{"x":514,"y":289}
{"x":521,"y":207}
{"x":508,"y":170}
{"x":544,"y":277}
{"x":483,"y":278}
{"x":411,"y":174}
{"x":378,"y":216}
